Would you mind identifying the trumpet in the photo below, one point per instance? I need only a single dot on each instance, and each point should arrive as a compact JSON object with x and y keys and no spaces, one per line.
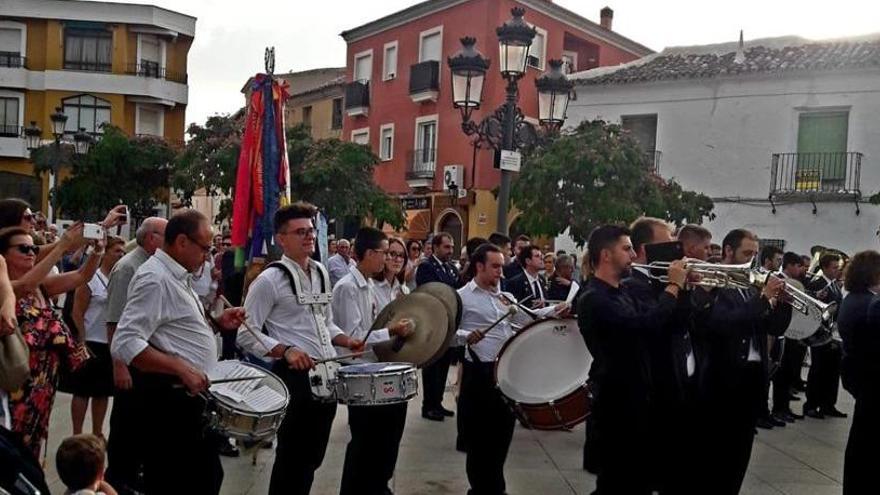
{"x":711,"y":275}
{"x":799,"y":300}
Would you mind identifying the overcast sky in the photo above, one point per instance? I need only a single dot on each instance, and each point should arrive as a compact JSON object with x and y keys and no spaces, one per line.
{"x":231,"y":34}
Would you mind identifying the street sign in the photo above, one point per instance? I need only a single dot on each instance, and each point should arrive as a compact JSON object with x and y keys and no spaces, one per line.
{"x":416,"y":203}
{"x":511,"y":160}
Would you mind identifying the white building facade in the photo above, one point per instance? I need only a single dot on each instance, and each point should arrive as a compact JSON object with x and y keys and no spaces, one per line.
{"x":783,"y":135}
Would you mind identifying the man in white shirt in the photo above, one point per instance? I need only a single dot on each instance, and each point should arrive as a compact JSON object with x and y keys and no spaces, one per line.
{"x":290,"y":301}
{"x":375,"y":430}
{"x":166,"y":334}
{"x":340,"y":263}
{"x":487,"y":422}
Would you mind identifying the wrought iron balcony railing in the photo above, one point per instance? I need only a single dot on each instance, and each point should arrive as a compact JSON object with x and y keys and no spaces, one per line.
{"x":816,"y":176}
{"x":424,"y":77}
{"x":12,"y":60}
{"x":154,"y":70}
{"x":423,"y":164}
{"x":10,"y":131}
{"x":357,"y":94}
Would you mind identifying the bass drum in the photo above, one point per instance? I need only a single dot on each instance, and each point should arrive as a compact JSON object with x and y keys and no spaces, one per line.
{"x":542,"y":372}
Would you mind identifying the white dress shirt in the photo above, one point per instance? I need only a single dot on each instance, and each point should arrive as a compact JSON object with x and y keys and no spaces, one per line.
{"x":354,"y":307}
{"x":338,"y":268}
{"x":385,"y":292}
{"x":164,"y":311}
{"x":480,"y":309}
{"x":270,"y":304}
{"x":93,"y":319}
{"x":532,"y":281}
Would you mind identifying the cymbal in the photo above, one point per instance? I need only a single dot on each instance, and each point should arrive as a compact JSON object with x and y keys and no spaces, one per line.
{"x":451,"y":300}
{"x":429,"y":338}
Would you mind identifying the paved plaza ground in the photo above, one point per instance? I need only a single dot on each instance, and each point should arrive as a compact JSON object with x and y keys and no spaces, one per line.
{"x":801,"y":459}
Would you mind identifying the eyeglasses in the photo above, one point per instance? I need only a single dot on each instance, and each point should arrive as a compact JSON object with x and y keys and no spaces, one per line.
{"x":27,"y":248}
{"x":396,"y":254}
{"x":205,"y":249}
{"x":302,"y":232}
{"x":415,"y":248}
{"x":227,"y":244}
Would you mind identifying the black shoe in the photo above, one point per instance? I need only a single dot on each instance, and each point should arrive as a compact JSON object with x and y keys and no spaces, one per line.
{"x":764,"y":423}
{"x":813,"y":412}
{"x":446,"y":412}
{"x":433,"y":415}
{"x":794,"y":414}
{"x":776,"y":421}
{"x":226,"y":449}
{"x":783,"y":416}
{"x":833,"y":412}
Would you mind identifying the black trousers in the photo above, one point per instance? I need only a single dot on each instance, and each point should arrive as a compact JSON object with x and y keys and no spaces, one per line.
{"x":434,"y":381}
{"x":859,"y":466}
{"x":371,"y":454}
{"x":302,"y":437}
{"x":823,"y":380}
{"x":125,"y":458}
{"x":180,"y":456}
{"x":727,"y":430}
{"x":788,"y":373}
{"x":487,"y":425}
{"x":674,"y":442}
{"x":622,"y":440}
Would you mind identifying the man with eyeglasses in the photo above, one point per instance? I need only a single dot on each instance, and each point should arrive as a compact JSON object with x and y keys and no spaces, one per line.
{"x":376,"y":431}
{"x":290,"y":301}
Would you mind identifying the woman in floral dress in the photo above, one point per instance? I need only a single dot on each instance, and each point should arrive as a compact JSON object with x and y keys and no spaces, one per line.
{"x":50,"y":343}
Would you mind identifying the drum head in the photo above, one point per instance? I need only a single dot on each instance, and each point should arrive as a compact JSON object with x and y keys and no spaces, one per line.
{"x":269,"y":380}
{"x":801,"y":326}
{"x":373,"y":368}
{"x":427,"y":342}
{"x":545,"y":362}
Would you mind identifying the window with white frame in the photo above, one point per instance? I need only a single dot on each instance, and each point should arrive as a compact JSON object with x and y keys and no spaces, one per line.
{"x":150,"y":120}
{"x":431,"y":44}
{"x":9,"y":116}
{"x":12,"y":38}
{"x":361,"y":136}
{"x":363,"y":66}
{"x":88,"y":49}
{"x":150,"y":55}
{"x":538,"y":50}
{"x":85,"y":111}
{"x":386,"y":142}
{"x":425,"y":154}
{"x":389,"y":61}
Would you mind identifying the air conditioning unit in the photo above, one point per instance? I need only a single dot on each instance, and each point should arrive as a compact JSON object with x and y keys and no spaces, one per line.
{"x":453,"y":177}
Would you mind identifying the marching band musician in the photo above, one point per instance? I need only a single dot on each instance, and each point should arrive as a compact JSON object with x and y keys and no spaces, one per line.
{"x":291,"y":303}
{"x":487,"y":421}
{"x":732,"y":326}
{"x":616,"y":327}
{"x":165,"y":333}
{"x":376,"y":430}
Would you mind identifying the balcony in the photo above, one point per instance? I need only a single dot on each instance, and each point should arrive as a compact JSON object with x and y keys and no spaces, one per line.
{"x":420,"y":173}
{"x":652,"y":161}
{"x":11,"y":143}
{"x":815,"y":177}
{"x":424,"y":81}
{"x":87,"y":66}
{"x":357,"y":98}
{"x":12,"y":60}
{"x":153,"y":70}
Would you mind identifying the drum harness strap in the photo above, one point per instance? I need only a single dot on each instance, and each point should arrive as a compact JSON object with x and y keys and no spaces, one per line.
{"x":317,"y":302}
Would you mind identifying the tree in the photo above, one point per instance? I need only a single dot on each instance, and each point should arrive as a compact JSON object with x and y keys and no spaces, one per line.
{"x":119,"y":168}
{"x":593,"y":175}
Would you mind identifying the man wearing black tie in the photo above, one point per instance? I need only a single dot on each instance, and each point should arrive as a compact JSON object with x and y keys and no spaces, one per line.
{"x":526,"y":285}
{"x":823,"y":381}
{"x":731,"y":328}
{"x":437,"y":268}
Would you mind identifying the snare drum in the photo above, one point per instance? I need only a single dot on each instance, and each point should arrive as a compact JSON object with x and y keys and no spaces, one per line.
{"x":375,"y":384}
{"x":542,"y":372}
{"x":238,"y":419}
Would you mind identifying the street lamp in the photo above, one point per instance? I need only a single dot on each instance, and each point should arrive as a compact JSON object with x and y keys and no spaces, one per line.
{"x":506,"y":129}
{"x":82,"y":141}
{"x":59,"y":120}
{"x":33,"y":136}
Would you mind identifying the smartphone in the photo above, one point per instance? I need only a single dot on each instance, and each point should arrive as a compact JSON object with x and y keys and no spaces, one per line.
{"x":93,"y":231}
{"x":664,"y":251}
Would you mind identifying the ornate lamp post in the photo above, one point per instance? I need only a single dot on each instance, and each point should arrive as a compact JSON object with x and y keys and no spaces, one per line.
{"x":506,"y":129}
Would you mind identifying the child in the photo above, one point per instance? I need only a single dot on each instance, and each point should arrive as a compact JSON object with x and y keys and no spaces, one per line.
{"x":80,"y":465}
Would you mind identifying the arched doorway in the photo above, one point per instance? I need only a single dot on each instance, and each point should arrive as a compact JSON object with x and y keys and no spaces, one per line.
{"x":450,"y":222}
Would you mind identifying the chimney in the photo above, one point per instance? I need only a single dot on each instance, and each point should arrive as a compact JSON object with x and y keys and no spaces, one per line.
{"x":606,"y":15}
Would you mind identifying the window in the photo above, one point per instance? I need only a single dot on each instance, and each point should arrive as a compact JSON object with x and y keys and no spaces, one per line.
{"x":11,"y":51}
{"x":26,"y":187}
{"x":822,"y":146}
{"x":538,"y":50}
{"x":9,"y":124}
{"x":389,"y":61}
{"x":307,"y":116}
{"x":569,"y":62}
{"x":426,"y":141}
{"x":386,"y":142}
{"x":762,"y":243}
{"x":361,"y":136}
{"x":431,"y":44}
{"x":149,"y":120}
{"x":150,"y":55}
{"x":643,"y":128}
{"x":363,"y":66}
{"x":85,"y":111}
{"x":88,"y":49}
{"x":337,"y":114}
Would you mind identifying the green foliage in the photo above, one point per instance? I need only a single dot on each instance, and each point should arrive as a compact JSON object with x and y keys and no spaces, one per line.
{"x":118,"y":169}
{"x":594,"y":175}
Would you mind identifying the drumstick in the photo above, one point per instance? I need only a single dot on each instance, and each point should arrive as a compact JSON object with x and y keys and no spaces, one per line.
{"x":511,"y":310}
{"x":521,"y":306}
{"x":341,"y":357}
{"x":226,"y":380}
{"x":246,"y":326}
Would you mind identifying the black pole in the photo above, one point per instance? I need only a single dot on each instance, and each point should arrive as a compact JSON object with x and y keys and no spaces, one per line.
{"x":56,"y":164}
{"x":507,"y":143}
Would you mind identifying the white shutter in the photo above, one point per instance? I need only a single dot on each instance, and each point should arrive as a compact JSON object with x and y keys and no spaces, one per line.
{"x":150,"y":48}
{"x":150,"y":121}
{"x":431,"y":47}
{"x":363,"y":68}
{"x":10,"y":40}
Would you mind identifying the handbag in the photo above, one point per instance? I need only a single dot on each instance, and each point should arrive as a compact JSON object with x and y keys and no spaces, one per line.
{"x":14,"y":361}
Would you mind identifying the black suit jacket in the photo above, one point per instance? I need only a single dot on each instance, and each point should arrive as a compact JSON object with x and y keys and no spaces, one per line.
{"x":858,"y":320}
{"x":725,"y":322}
{"x":557,"y":291}
{"x":431,"y":270}
{"x":519,"y":286}
{"x":512,"y":269}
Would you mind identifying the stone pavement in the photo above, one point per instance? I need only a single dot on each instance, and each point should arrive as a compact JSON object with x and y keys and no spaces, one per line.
{"x":801,"y":459}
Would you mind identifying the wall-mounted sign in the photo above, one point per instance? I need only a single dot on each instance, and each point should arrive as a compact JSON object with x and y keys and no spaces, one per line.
{"x":511,"y":160}
{"x":416,"y":203}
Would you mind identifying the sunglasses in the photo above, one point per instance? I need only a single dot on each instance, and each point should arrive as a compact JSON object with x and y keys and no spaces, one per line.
{"x":27,"y":248}
{"x":205,"y":249}
{"x":393,"y":254}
